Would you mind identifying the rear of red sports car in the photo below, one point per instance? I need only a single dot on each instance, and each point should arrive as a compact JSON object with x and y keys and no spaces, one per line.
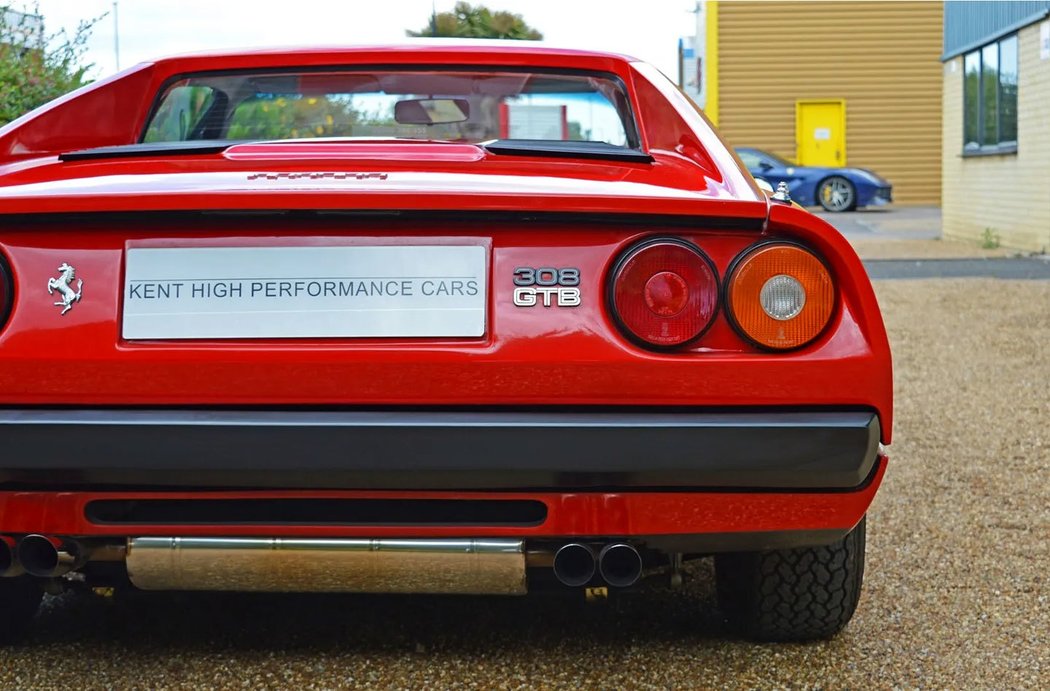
{"x":418,"y":319}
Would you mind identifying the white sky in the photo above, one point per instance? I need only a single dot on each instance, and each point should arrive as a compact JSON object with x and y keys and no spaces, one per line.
{"x":647,"y":29}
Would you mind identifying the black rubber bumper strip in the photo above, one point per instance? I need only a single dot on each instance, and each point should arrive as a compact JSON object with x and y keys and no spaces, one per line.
{"x":482,"y":450}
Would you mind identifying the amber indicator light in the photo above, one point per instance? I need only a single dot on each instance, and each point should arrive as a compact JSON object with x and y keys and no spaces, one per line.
{"x":780,"y":296}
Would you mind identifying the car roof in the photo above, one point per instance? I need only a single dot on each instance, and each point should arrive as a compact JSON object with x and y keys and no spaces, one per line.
{"x":494,"y":47}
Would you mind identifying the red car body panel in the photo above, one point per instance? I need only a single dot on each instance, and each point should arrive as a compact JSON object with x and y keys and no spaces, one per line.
{"x":528,"y":211}
{"x":579,"y":514}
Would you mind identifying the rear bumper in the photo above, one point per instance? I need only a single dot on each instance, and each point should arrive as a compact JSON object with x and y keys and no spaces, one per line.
{"x":696,"y":521}
{"x":437,"y":450}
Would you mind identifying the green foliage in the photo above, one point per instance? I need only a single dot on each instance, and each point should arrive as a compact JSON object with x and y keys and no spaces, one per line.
{"x":297,"y":118}
{"x":577,"y":133}
{"x":181,"y":111}
{"x":990,"y":239}
{"x":478,"y":21}
{"x":265,"y":117}
{"x":35,"y":68}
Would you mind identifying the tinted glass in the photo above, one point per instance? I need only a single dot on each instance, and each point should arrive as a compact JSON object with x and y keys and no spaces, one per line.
{"x":182,"y":110}
{"x":990,"y":94}
{"x":750,"y":159}
{"x":361,"y":103}
{"x":776,"y":160}
{"x":1008,"y":90}
{"x":971,"y":100}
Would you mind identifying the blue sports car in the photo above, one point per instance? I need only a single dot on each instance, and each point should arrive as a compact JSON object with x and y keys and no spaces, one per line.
{"x":835,"y":189}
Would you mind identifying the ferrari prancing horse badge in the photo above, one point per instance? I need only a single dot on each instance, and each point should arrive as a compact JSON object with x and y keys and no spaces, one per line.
{"x":64,"y":285}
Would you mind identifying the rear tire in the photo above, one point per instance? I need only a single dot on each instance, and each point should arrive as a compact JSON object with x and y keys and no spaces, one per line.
{"x":19,"y":600}
{"x":792,"y":594}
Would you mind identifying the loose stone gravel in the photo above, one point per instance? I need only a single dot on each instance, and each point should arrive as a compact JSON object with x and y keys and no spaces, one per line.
{"x":955,"y":595}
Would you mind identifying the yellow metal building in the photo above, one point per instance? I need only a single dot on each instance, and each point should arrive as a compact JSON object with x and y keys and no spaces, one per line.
{"x":832,"y":83}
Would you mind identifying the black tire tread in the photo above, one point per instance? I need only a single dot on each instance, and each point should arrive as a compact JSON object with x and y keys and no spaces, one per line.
{"x":793,"y":594}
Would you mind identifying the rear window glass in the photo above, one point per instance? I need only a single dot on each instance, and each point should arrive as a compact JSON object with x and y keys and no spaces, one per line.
{"x":462,"y":106}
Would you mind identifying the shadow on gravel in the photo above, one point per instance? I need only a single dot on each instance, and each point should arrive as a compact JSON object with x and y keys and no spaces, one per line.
{"x":229,"y":622}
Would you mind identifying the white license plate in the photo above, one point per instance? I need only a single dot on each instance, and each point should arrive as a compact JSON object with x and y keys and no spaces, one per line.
{"x":304,"y":292}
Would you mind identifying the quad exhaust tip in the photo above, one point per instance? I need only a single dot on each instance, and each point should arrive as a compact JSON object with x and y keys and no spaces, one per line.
{"x":620,"y":564}
{"x":574,"y":564}
{"x":49,"y":557}
{"x":9,"y":565}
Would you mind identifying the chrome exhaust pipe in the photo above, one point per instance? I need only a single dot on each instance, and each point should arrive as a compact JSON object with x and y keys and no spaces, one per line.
{"x":49,"y":557}
{"x":9,"y":564}
{"x":456,"y":566}
{"x":574,"y":564}
{"x":620,"y":564}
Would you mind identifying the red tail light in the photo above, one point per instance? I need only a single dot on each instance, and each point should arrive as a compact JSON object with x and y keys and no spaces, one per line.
{"x":664,"y":292}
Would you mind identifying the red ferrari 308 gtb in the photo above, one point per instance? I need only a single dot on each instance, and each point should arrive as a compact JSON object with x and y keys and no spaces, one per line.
{"x":451,"y":319}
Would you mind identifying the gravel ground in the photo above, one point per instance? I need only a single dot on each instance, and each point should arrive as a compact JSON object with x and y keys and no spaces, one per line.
{"x":956,"y":593}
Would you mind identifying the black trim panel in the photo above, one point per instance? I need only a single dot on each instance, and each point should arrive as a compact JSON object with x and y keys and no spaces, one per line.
{"x":441,"y":450}
{"x":568,"y":149}
{"x":188,"y":148}
{"x":317,"y":511}
{"x":7,"y":292}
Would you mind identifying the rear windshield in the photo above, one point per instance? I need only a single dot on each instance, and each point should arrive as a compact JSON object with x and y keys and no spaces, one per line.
{"x":454,"y":105}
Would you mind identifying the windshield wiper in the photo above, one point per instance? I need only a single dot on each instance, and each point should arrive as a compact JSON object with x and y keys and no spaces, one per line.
{"x":566,"y":149}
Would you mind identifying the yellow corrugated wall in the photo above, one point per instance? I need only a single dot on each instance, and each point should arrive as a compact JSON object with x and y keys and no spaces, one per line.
{"x":883,"y":58}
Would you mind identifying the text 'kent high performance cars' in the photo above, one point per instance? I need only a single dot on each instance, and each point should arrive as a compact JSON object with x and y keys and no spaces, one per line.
{"x":424,"y":319}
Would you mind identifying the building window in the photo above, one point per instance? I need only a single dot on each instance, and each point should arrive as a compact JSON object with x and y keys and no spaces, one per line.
{"x":990,"y":98}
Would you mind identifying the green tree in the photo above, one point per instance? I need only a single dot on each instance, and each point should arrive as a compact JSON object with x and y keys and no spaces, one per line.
{"x":35,"y":68}
{"x":478,"y":21}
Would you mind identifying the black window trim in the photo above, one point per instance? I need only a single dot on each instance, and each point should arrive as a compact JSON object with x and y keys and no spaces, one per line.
{"x":1001,"y":147}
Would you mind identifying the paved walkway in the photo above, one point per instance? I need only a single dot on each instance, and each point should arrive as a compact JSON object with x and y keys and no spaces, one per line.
{"x":906,"y":242}
{"x":893,"y":223}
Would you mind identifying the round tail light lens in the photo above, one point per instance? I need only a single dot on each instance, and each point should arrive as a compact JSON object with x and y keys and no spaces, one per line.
{"x":780,"y":296}
{"x":664,"y":292}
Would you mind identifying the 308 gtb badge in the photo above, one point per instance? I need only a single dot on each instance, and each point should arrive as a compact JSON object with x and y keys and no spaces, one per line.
{"x":547,"y":286}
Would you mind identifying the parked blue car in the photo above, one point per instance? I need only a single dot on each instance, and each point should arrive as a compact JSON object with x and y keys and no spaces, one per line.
{"x":835,"y":189}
